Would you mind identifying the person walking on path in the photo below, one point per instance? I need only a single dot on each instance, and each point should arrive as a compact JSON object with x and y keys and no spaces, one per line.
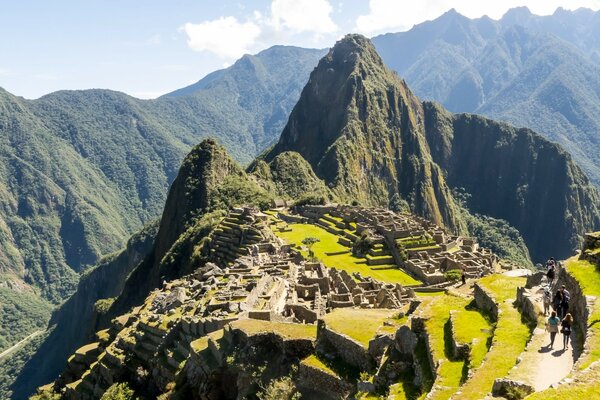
{"x":552,"y":327}
{"x":557,"y":303}
{"x":566,"y":325}
{"x":463,"y":276}
{"x":547,"y":301}
{"x":551,"y":274}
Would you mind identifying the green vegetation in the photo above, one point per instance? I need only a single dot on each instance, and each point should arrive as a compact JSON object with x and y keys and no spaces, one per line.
{"x":11,"y":366}
{"x":119,"y":391}
{"x":21,"y":313}
{"x":472,"y":328}
{"x":316,"y":362}
{"x":280,"y":389}
{"x":103,"y":305}
{"x":328,"y":245}
{"x":498,"y":236}
{"x":309,"y":242}
{"x":362,"y":324}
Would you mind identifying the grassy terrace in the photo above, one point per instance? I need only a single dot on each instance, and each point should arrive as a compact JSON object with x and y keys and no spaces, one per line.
{"x":315,"y":362}
{"x":285,"y":330}
{"x":362,"y":324}
{"x":587,"y":383}
{"x":471,"y":326}
{"x":328,"y":251}
{"x":509,"y":341}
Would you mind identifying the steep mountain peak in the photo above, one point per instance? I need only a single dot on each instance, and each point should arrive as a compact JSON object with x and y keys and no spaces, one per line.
{"x":517,"y":15}
{"x":359,"y":127}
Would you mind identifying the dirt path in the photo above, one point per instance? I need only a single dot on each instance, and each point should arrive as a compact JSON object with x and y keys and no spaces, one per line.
{"x":540,"y":365}
{"x":16,"y":346}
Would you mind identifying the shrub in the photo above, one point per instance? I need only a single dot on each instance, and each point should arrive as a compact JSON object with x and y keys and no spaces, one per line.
{"x":119,"y":391}
{"x":453,"y":275}
{"x":280,"y":389}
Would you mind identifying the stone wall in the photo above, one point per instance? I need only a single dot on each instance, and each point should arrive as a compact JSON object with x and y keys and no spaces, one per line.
{"x":315,"y":379}
{"x":459,"y":350}
{"x":528,"y":306}
{"x":580,"y":306}
{"x":485,"y":301}
{"x":348,"y":349}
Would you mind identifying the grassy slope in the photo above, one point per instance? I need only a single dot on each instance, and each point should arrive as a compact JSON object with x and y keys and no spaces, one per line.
{"x":361,"y":324}
{"x":347,"y":262}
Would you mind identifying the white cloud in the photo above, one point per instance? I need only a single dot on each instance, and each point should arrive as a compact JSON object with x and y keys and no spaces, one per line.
{"x":226,"y":37}
{"x":303,"y":16}
{"x":399,"y":15}
{"x":4,"y":72}
{"x":296,"y":22}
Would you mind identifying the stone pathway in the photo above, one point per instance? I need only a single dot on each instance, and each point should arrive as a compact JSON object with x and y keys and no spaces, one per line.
{"x":541,"y":366}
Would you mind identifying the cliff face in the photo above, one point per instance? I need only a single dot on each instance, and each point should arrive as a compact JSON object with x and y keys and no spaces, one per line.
{"x":360,"y":128}
{"x":516,"y":175}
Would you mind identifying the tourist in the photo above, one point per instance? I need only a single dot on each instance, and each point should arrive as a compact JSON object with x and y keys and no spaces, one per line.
{"x":565,"y":293}
{"x":557,"y":303}
{"x":566,"y":326}
{"x":464,"y":276}
{"x":547,"y":301}
{"x":550,"y":263}
{"x":550,"y":275}
{"x":552,"y":327}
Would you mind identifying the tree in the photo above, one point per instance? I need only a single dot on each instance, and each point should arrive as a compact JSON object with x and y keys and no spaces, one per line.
{"x":309,"y":242}
{"x":119,"y":391}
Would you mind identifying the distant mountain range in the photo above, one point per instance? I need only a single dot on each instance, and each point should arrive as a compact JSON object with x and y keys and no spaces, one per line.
{"x":539,"y":72}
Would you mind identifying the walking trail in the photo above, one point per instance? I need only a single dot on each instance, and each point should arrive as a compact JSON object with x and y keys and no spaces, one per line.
{"x":16,"y":346}
{"x":540,"y":365}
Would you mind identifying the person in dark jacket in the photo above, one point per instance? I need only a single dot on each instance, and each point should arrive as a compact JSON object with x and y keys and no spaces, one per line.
{"x":557,"y":303}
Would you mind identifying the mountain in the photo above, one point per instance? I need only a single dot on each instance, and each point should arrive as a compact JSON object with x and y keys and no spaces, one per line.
{"x":541,"y":72}
{"x":360,"y":128}
{"x":369,"y":138}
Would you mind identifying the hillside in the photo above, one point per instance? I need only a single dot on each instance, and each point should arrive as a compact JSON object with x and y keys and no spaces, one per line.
{"x":532,"y":71}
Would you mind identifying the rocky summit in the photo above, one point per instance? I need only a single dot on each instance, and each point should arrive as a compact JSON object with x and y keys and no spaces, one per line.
{"x":339,"y":264}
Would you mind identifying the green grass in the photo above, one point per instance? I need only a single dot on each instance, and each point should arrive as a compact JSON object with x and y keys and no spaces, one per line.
{"x":283,"y":329}
{"x":471,"y":327}
{"x":328,"y":244}
{"x":362,"y":324}
{"x":501,"y":286}
{"x":315,"y":362}
{"x":509,"y":341}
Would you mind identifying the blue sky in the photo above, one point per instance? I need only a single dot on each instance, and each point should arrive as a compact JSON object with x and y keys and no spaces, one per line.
{"x":150,"y":47}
